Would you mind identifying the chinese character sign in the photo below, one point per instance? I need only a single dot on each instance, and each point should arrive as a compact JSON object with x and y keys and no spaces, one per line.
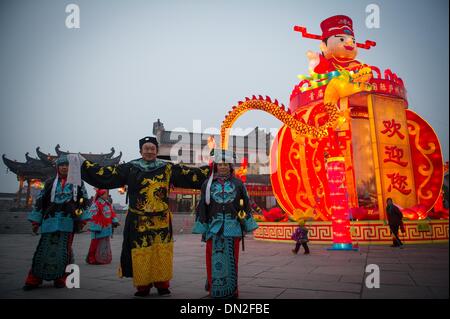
{"x":394,"y":154}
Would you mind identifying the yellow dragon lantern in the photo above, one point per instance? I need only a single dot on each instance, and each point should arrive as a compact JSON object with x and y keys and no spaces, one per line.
{"x":353,"y":116}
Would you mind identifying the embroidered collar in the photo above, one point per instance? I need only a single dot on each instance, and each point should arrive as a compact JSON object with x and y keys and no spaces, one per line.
{"x":148,"y":166}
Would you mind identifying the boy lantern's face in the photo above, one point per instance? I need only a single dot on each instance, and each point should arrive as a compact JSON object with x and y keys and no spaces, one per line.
{"x":149,"y":151}
{"x":341,"y":46}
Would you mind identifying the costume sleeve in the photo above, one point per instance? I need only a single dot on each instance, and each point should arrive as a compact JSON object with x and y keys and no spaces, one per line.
{"x":114,"y":216}
{"x":250,"y":223}
{"x":84,"y":206}
{"x":113,"y":176}
{"x":93,"y":210}
{"x":36,"y":214}
{"x":189,"y":177}
{"x":201,"y":219}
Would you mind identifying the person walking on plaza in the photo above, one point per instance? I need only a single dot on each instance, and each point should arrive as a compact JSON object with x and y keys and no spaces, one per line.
{"x":147,"y":250}
{"x":395,"y":219}
{"x":224,"y":217}
{"x":300,"y":236}
{"x":101,"y":226}
{"x":61,"y":209}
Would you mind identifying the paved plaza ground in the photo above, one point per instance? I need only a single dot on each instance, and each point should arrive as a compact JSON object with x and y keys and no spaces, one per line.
{"x":266,"y":270}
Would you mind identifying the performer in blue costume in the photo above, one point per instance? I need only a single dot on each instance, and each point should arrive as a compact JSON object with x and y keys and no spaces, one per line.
{"x":60,"y":211}
{"x":223,"y":218}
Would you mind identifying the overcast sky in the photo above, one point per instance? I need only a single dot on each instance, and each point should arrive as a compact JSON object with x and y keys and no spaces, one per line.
{"x":132,"y":62}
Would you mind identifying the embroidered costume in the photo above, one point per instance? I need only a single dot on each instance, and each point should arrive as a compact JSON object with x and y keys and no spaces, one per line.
{"x":147,"y":250}
{"x":223,"y":218}
{"x":60,"y":211}
{"x":101,"y":226}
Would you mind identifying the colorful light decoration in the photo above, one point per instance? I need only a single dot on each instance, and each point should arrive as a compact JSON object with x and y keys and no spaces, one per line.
{"x":36,"y":183}
{"x":332,"y":113}
{"x":122,"y":190}
{"x":241,"y":172}
{"x":335,"y":168}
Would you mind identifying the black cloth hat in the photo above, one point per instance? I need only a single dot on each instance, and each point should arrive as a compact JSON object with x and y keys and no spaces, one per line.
{"x":148,"y":139}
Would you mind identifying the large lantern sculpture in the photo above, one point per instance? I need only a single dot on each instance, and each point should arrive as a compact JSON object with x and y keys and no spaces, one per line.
{"x":348,"y":141}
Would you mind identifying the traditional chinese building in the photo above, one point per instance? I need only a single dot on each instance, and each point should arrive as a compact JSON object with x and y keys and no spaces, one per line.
{"x":34,"y":171}
{"x":193,"y":149}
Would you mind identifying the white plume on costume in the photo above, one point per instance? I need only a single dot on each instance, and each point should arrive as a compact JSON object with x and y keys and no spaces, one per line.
{"x":73,"y":175}
{"x":55,"y":183}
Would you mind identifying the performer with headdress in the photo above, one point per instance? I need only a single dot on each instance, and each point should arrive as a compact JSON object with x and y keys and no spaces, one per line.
{"x":147,"y":250}
{"x":101,"y":226}
{"x":223,"y":218}
{"x":60,"y":211}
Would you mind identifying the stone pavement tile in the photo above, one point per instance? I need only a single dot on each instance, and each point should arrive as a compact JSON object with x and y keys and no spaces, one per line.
{"x":251,"y":291}
{"x":433,"y":278}
{"x":92,"y":283}
{"x":182,"y":293}
{"x":48,"y":292}
{"x":270,"y":261}
{"x":304,"y":260}
{"x":14,"y":281}
{"x":397,"y":292}
{"x":378,"y":247}
{"x":198,"y":284}
{"x":111,"y":276}
{"x":429,"y":261}
{"x":188,"y":273}
{"x":300,"y":276}
{"x":439,"y":292}
{"x":315,"y":294}
{"x":358,"y":259}
{"x":114,"y":287}
{"x":174,"y":283}
{"x":252,"y":270}
{"x":122,"y":296}
{"x":336,"y":287}
{"x":339,"y":258}
{"x":305,"y":284}
{"x":348,"y":269}
{"x":199,"y":266}
{"x":428,"y":267}
{"x":355,"y":279}
{"x":395,"y":267}
{"x":379,"y":261}
{"x":245,"y":280}
{"x":294,"y":268}
{"x":395,"y":278}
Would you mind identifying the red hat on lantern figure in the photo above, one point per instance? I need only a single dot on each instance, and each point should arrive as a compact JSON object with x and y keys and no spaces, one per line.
{"x":335,"y":25}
